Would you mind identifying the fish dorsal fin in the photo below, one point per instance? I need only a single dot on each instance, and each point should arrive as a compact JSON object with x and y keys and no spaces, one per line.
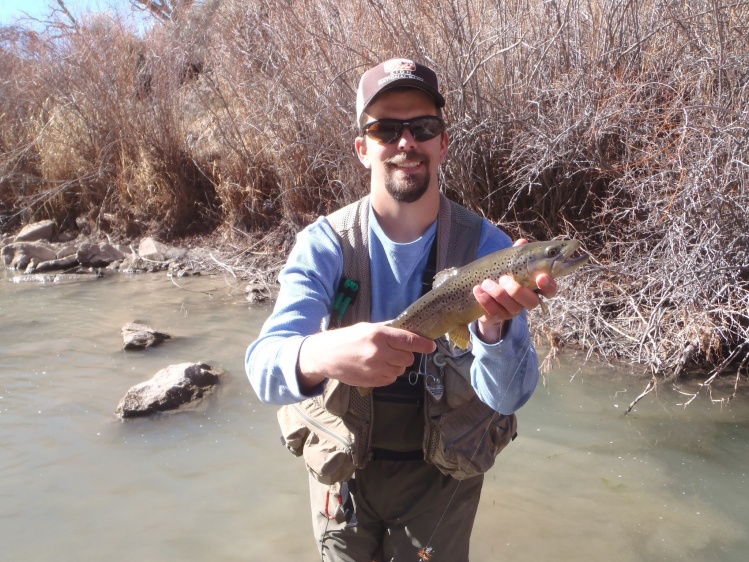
{"x":443,"y":276}
{"x":460,"y":336}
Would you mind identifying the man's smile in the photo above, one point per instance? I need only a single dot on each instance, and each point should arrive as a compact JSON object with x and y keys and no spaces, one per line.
{"x":405,"y":163}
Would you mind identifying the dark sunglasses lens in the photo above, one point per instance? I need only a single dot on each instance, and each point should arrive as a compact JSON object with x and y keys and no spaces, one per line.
{"x":389,"y":131}
{"x":385,"y":131}
{"x":426,"y":128}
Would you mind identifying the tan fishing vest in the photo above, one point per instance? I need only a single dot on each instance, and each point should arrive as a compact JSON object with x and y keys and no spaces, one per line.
{"x":462,"y":435}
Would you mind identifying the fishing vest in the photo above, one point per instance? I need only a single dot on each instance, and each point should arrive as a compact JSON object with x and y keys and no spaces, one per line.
{"x":462,"y":435}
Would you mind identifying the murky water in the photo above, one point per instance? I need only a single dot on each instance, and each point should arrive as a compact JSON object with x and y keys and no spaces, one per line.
{"x":582,"y":481}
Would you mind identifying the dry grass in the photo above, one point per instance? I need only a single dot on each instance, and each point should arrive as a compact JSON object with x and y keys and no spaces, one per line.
{"x":624,"y":124}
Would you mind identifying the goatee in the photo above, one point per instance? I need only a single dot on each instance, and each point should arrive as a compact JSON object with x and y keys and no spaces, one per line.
{"x":407,"y":188}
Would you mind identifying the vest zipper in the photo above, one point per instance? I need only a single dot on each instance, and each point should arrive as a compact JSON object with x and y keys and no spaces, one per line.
{"x":313,"y":422}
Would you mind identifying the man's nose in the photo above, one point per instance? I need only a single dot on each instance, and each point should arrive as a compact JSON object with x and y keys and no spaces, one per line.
{"x":406,"y":141}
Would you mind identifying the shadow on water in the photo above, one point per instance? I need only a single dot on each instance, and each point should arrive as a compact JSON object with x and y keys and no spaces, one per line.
{"x":581,"y":482}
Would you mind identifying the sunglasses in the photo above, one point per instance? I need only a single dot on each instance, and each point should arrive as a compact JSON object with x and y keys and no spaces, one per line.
{"x":388,"y":131}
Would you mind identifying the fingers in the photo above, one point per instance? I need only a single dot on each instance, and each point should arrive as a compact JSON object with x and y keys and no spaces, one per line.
{"x":402,"y":340}
{"x":504,"y":298}
{"x":547,"y":285}
{"x":364,"y":355}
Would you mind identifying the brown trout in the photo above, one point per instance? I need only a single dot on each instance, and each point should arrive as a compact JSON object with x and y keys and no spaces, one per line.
{"x":450,"y":306}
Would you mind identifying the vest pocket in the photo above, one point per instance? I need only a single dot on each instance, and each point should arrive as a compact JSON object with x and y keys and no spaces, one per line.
{"x":321,"y":438}
{"x":465,"y":442}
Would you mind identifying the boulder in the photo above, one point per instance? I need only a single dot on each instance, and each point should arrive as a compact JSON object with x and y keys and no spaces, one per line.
{"x":18,"y":255}
{"x":153,"y":250}
{"x":66,"y":250}
{"x":139,"y":336}
{"x":42,"y":230}
{"x":169,"y":389}
{"x":97,"y":255}
{"x":67,"y":262}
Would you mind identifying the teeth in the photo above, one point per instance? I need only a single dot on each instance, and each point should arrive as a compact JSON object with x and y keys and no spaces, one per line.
{"x":408,"y":164}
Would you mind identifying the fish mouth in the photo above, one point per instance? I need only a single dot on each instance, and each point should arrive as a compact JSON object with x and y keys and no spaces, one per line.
{"x":566,"y":262}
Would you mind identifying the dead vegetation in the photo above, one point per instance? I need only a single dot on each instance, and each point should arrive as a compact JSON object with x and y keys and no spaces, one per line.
{"x":623,"y":124}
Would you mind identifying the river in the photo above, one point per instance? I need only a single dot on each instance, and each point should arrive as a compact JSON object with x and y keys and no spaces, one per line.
{"x":582,"y":481}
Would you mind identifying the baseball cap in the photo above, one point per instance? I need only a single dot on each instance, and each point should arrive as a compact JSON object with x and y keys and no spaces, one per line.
{"x":395,"y":73}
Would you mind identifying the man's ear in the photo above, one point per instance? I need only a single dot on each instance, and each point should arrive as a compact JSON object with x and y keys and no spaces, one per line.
{"x":444,"y":144}
{"x":360,"y":144}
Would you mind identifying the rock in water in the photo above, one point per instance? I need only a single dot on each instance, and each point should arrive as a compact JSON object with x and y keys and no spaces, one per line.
{"x":169,"y":389}
{"x":138,"y":336}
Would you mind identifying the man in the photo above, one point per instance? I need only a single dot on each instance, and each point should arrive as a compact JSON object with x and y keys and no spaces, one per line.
{"x":388,"y":478}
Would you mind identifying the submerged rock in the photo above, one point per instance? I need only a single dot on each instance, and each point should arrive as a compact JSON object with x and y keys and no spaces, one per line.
{"x":169,"y":389}
{"x":139,"y":336}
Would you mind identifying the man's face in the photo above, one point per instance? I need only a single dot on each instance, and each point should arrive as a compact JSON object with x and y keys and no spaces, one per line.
{"x":406,"y":169}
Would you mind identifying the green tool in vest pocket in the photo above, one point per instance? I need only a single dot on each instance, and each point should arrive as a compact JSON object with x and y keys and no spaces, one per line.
{"x":346,"y":295}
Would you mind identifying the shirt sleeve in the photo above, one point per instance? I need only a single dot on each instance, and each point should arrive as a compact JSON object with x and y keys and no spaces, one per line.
{"x":504,"y":375}
{"x":308,"y":283}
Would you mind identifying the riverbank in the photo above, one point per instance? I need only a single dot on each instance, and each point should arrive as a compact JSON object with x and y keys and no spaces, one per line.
{"x":39,"y":249}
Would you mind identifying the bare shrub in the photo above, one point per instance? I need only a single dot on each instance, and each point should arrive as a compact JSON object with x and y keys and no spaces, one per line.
{"x":622,"y":124}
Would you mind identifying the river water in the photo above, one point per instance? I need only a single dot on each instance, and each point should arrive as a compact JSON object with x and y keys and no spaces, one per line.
{"x":581,"y":482}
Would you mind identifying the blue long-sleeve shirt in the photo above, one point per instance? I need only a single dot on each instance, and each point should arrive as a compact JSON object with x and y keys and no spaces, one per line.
{"x":504,"y":374}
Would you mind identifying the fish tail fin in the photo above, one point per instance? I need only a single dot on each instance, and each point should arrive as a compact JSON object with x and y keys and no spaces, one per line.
{"x":363,"y":391}
{"x":460,"y":336}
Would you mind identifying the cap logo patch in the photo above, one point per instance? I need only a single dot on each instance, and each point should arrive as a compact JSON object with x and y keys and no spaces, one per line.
{"x":399,"y":65}
{"x":398,"y":69}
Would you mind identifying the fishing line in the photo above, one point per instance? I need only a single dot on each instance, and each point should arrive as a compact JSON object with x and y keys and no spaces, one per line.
{"x":486,"y":429}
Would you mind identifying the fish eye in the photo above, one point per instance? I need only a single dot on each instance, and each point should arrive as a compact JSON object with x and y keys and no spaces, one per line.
{"x":551,"y":252}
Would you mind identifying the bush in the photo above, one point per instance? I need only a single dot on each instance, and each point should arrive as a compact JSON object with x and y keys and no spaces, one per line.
{"x":622,"y":124}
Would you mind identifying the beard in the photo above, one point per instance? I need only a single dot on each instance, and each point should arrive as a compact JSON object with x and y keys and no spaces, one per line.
{"x":406,"y":188}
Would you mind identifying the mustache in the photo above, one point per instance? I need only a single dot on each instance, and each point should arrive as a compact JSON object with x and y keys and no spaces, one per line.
{"x":398,"y":159}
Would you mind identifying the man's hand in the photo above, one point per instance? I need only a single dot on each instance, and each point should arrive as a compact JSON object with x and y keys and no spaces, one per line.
{"x":505,"y":298}
{"x":365,"y":355}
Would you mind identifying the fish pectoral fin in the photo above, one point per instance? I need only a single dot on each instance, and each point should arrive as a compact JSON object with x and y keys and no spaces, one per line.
{"x":542,"y":305}
{"x":460,"y":336}
{"x":443,"y":276}
{"x":541,"y":302}
{"x":363,"y":391}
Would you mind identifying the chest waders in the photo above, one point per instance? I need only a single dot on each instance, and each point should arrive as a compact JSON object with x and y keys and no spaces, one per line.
{"x":341,"y":431}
